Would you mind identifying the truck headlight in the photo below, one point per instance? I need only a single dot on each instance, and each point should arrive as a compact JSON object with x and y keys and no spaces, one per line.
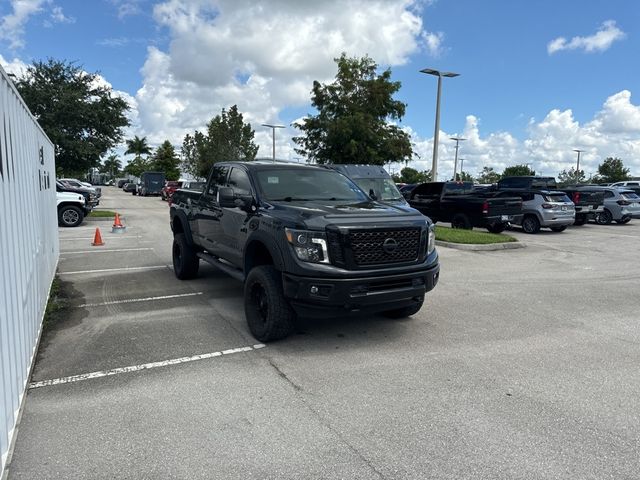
{"x":309,"y":246}
{"x":431,"y":240}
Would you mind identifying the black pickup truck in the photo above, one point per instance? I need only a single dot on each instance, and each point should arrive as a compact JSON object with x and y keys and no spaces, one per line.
{"x":589,"y":202}
{"x":305,"y":240}
{"x":458,"y":203}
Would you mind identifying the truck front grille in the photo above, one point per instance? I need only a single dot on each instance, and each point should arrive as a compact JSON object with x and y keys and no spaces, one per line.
{"x":378,"y":247}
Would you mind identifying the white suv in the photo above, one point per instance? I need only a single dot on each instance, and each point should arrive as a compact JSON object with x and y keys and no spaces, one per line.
{"x":71,"y":208}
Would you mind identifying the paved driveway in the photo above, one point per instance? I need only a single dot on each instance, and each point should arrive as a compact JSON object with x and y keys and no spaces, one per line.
{"x":522,"y":364}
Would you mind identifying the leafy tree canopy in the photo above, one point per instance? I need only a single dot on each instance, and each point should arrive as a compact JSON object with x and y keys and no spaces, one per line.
{"x":464,"y":177}
{"x":411,"y":175}
{"x":352,"y":121}
{"x":227,"y":138}
{"x":488,"y":175}
{"x":165,"y":160}
{"x":518,"y":171}
{"x":571,"y":177}
{"x":138,"y":165}
{"x":612,"y":170}
{"x":77,"y":112}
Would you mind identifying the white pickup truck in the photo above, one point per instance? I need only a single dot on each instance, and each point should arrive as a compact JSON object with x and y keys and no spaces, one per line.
{"x":71,"y":209}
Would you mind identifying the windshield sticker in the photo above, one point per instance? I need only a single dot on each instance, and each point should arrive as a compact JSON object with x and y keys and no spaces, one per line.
{"x":273,"y":179}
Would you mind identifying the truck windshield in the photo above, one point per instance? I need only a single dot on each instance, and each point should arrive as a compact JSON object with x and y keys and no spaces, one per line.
{"x":384,"y":188}
{"x":298,"y":184}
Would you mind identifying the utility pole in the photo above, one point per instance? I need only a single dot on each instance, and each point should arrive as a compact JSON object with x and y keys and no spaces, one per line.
{"x":455,"y":163}
{"x":578,"y":162}
{"x":273,"y":130}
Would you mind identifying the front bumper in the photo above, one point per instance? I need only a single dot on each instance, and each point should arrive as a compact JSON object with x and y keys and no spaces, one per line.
{"x":318,"y":296}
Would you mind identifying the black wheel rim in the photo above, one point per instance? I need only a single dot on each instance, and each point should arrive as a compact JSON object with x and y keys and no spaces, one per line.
{"x":527,"y":225}
{"x":260,"y":301}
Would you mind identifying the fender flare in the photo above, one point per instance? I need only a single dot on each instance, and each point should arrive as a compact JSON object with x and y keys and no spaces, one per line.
{"x":181,"y":217}
{"x":270,"y":244}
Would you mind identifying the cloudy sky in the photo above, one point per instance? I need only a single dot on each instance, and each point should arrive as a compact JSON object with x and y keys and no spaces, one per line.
{"x":537,"y":79}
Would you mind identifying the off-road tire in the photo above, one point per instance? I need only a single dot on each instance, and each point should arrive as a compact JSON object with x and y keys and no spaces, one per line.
{"x":185,"y":261}
{"x":269,"y":315}
{"x":460,"y":220}
{"x":70,"y":216}
{"x":497,"y":227}
{"x":530,"y":224}
{"x":405,"y":311}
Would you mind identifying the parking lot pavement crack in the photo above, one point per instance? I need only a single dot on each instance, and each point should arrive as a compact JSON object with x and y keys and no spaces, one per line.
{"x":323,"y":421}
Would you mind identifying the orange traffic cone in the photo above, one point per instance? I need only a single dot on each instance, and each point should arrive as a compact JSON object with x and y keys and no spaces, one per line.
{"x":117,"y":225}
{"x":97,"y":239}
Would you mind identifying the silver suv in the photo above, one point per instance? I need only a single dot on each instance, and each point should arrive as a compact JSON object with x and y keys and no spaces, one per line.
{"x":545,"y":209}
{"x":620,"y":204}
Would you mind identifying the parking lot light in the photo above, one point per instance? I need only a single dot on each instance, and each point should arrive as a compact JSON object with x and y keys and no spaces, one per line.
{"x":439,"y":74}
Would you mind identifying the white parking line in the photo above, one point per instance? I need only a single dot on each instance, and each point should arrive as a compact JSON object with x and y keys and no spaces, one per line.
{"x":124,"y":269}
{"x":135,"y":300}
{"x":99,"y":250}
{"x":144,"y":366}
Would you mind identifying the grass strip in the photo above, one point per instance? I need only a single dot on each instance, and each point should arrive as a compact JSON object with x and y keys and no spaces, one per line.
{"x":102,"y":213}
{"x":457,"y":235}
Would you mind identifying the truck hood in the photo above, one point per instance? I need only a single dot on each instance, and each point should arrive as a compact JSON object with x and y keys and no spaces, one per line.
{"x":314,"y":214}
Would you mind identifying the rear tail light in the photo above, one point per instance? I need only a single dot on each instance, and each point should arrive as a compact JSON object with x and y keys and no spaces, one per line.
{"x":546,"y":206}
{"x":623,"y":202}
{"x":576,"y":197}
{"x":485,"y":207}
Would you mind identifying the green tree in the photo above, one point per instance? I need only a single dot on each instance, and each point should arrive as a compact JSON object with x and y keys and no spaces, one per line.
{"x":488,"y":175}
{"x":138,"y":165}
{"x":80,"y":115}
{"x":137,"y":146}
{"x":112,"y":165}
{"x":465,"y":177}
{"x":518,"y":171}
{"x":612,"y":170}
{"x":165,"y":160}
{"x":411,"y":175}
{"x":227,"y":138}
{"x":571,"y":177}
{"x":352,"y":121}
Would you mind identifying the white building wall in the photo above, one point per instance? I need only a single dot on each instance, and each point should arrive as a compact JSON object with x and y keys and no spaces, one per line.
{"x":28,"y":249}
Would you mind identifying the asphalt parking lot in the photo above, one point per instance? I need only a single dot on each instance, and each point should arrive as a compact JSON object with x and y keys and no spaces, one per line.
{"x":522,"y":364}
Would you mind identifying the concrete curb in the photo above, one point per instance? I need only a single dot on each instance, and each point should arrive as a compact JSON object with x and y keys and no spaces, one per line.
{"x":480,"y":247}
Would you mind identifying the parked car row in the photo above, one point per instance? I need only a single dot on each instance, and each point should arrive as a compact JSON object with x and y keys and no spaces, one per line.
{"x":75,"y":200}
{"x":533,"y":203}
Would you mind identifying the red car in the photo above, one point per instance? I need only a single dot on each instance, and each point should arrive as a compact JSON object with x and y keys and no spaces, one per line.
{"x":168,"y":189}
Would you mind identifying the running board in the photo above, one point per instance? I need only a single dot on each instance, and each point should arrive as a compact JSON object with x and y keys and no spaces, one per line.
{"x":225,"y":267}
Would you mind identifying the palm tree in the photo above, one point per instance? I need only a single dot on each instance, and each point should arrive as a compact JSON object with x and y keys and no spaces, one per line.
{"x":137,"y":146}
{"x":112,"y":165}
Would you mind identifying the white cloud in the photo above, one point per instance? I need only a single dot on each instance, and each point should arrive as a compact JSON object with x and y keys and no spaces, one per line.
{"x":58,"y":16}
{"x":12,"y":25}
{"x":433,"y":43}
{"x":128,"y":8}
{"x":262,"y":58}
{"x":598,"y":42}
{"x":16,"y":66}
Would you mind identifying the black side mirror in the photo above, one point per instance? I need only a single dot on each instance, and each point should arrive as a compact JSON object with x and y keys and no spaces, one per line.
{"x":226,"y":197}
{"x":372,"y":194}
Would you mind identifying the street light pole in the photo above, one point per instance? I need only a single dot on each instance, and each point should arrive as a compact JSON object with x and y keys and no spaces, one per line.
{"x":461,"y":166}
{"x":455,"y":163}
{"x":436,"y":134}
{"x":273,"y":130}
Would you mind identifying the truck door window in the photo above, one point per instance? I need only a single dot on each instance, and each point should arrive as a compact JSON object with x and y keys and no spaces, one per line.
{"x":218,"y":179}
{"x":239,"y":181}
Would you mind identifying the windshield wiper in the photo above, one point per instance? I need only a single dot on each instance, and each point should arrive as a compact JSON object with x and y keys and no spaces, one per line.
{"x":290,"y":199}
